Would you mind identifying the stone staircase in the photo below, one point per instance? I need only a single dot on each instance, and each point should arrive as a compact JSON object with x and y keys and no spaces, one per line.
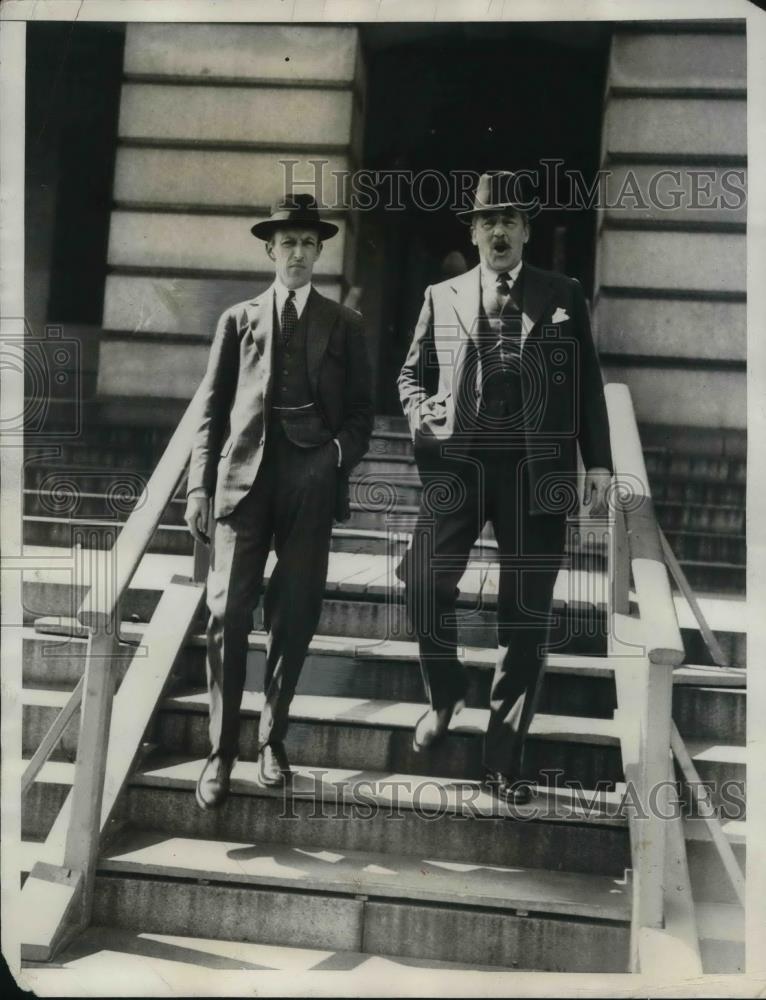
{"x":699,"y":499}
{"x":377,"y":851}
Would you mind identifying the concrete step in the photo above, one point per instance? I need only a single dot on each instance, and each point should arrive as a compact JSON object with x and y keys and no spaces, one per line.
{"x":716,"y":578}
{"x":427,"y":932}
{"x":351,"y":667}
{"x":678,"y":516}
{"x":174,"y":538}
{"x":390,"y":443}
{"x":159,"y":962}
{"x":360,"y":734}
{"x":708,"y":876}
{"x":721,"y":928}
{"x":42,"y":802}
{"x":40,"y":708}
{"x":722,"y":768}
{"x":56,"y":660}
{"x":380,"y":613}
{"x":695,"y":467}
{"x":700,"y":491}
{"x":711,"y":713}
{"x":577,"y":630}
{"x":348,"y":900}
{"x":710,"y":547}
{"x":385,"y":467}
{"x":377,"y":736}
{"x":561,"y":829}
{"x":394,"y":425}
{"x":376,"y":875}
{"x":342,"y":666}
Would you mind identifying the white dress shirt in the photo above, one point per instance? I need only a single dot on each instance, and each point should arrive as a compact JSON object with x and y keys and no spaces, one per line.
{"x":299,"y":301}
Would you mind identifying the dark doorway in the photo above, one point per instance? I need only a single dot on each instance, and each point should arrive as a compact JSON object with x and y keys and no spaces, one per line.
{"x":471,"y":97}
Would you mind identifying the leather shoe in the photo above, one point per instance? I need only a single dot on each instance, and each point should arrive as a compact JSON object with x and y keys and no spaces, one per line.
{"x":515,"y":792}
{"x":273,"y":765}
{"x":431,"y":728}
{"x":213,"y":784}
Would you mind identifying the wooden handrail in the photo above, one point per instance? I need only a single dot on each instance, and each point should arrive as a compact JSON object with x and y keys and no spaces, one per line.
{"x":100,"y":603}
{"x":105,"y":752}
{"x":650,"y":577}
{"x":645,"y":680}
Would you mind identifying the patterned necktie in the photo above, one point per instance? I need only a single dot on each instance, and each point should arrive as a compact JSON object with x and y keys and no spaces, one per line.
{"x":510,"y":336}
{"x":289,"y":318}
{"x":503,"y":287}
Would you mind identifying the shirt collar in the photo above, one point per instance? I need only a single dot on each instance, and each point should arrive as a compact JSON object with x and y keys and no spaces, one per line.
{"x":281,"y":293}
{"x":489,"y":277}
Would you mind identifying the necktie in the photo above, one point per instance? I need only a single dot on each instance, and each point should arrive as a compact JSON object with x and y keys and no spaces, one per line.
{"x":289,"y":318}
{"x":510,"y":325}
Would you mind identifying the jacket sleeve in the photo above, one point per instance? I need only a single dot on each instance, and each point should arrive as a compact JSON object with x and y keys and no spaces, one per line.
{"x":592,"y":420}
{"x":219,"y":383}
{"x":414,"y":381}
{"x":358,"y":408}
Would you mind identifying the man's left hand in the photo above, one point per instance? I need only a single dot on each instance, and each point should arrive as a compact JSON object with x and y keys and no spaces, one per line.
{"x":597,"y":483}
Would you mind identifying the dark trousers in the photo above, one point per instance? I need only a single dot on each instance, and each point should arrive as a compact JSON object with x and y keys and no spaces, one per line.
{"x":459,"y":496}
{"x":291,"y":502}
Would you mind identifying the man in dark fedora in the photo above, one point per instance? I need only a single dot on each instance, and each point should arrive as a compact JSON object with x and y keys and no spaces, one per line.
{"x":286,"y":413}
{"x":500,"y":386}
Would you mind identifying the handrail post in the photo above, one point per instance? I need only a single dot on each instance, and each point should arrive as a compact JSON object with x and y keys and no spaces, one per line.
{"x":83,"y":834}
{"x":656,"y":786}
{"x":619,"y":564}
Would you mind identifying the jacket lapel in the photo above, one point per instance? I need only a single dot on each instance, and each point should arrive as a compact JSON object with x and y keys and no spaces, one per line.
{"x":467,"y":291}
{"x":536,"y":293}
{"x":260,"y":316}
{"x":322,"y":317}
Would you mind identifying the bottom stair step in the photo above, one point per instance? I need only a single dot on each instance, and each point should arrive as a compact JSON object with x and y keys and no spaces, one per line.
{"x":371,"y":903}
{"x":721,"y":929}
{"x":160,"y":958}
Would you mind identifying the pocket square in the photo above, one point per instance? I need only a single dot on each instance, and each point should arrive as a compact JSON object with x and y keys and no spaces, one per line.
{"x":560,"y":315}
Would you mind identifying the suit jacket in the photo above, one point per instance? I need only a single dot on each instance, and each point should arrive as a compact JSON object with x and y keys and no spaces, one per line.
{"x":440,"y":383}
{"x":236,"y":399}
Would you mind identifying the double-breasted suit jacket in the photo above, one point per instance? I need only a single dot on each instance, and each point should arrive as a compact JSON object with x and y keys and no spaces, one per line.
{"x":229,"y":445}
{"x":440,"y":383}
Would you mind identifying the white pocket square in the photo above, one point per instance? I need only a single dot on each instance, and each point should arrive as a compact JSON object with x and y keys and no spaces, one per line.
{"x":560,"y":315}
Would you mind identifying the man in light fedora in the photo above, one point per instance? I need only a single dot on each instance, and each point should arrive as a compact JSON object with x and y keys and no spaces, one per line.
{"x":500,"y":386}
{"x":287,"y":412}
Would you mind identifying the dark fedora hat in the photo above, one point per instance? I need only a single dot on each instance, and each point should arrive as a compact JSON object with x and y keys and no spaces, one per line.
{"x":299,"y":210}
{"x":498,"y":190}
